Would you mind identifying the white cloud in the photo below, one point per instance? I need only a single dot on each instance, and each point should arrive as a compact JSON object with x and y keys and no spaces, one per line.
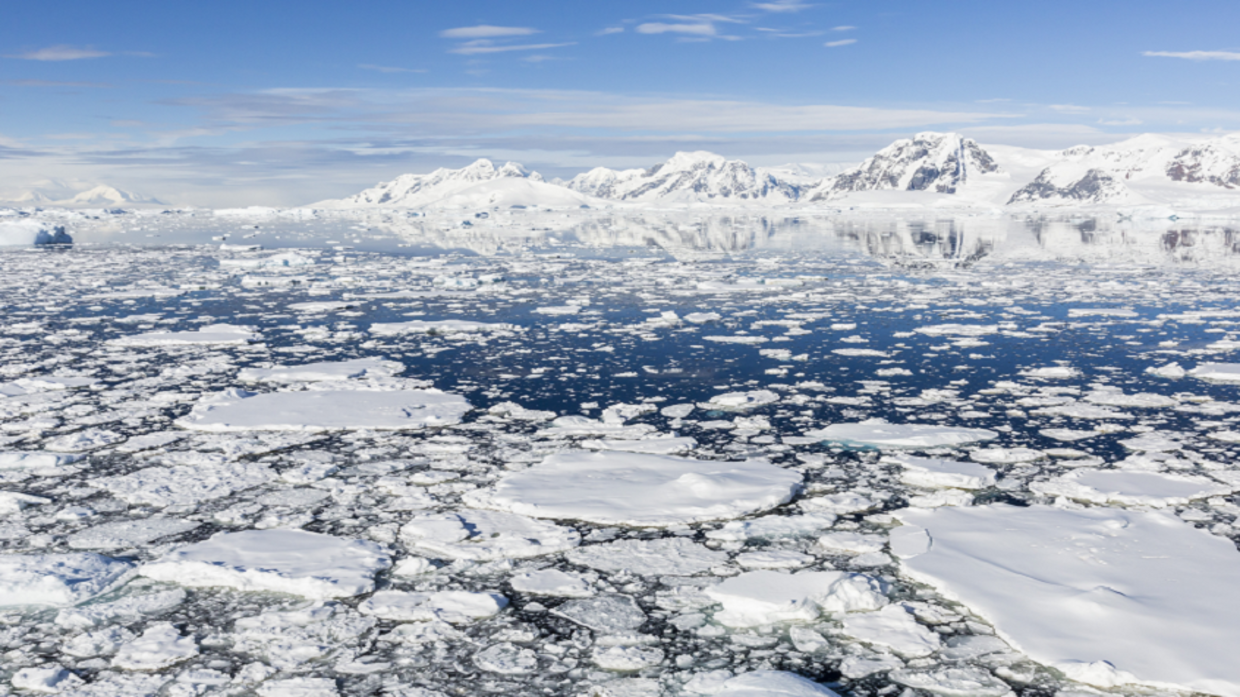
{"x":1196,"y":55}
{"x":843,"y":27}
{"x":695,"y":29}
{"x":841,"y":42}
{"x":478,"y":47}
{"x":1069,"y":108}
{"x":782,"y":6}
{"x":485,"y":31}
{"x":60,"y":53}
{"x":611,"y":30}
{"x":1130,"y":121}
{"x":389,"y":69}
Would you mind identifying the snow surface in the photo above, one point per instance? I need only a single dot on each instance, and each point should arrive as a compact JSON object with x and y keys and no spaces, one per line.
{"x":284,"y":561}
{"x":1109,"y":597}
{"x":640,"y":489}
{"x":56,"y":579}
{"x":325,"y":410}
{"x":878,"y":434}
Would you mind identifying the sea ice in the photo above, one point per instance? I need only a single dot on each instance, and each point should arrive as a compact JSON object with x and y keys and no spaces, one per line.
{"x":1217,"y":372}
{"x":1107,"y":596}
{"x":552,"y":582}
{"x":35,"y":460}
{"x":329,"y":370}
{"x":480,"y":535}
{"x":160,"y":646}
{"x":772,"y":683}
{"x":643,"y":490}
{"x":756,"y":598}
{"x":608,"y":614}
{"x":894,"y":627}
{"x":1131,"y":488}
{"x":211,"y":334}
{"x":56,"y":579}
{"x":325,"y":410}
{"x":880,"y":434}
{"x":934,"y":473}
{"x":772,"y":526}
{"x":673,"y":556}
{"x":286,"y":561}
{"x":445,"y":326}
{"x":740,"y":401}
{"x":124,"y":534}
{"x":456,"y":607}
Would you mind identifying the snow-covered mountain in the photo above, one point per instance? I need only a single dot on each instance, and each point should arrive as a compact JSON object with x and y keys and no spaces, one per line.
{"x":59,"y":195}
{"x":936,"y":162}
{"x":688,"y":177}
{"x":1145,"y":169}
{"x":942,"y":170}
{"x":478,"y":184}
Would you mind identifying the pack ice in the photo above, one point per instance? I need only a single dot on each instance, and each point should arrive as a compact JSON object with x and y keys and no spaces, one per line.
{"x":1110,"y":597}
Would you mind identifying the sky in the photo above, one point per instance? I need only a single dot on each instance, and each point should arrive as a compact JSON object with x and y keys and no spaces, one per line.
{"x":230,"y":103}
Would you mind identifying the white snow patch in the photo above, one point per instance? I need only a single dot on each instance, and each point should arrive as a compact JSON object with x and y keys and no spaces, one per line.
{"x":285,"y":561}
{"x":1129,"y":488}
{"x":640,"y":489}
{"x":56,"y":579}
{"x":758,"y":598}
{"x":879,"y":434}
{"x":328,"y":370}
{"x":486,"y":535}
{"x":325,"y":410}
{"x":1161,"y":597}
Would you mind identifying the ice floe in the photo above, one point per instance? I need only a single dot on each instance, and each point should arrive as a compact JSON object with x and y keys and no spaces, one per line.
{"x":941,"y":473}
{"x":284,"y":561}
{"x":56,"y":579}
{"x":327,"y":370}
{"x":640,"y":489}
{"x":480,"y":535}
{"x":879,"y":434}
{"x":326,"y":410}
{"x":1158,"y":594}
{"x":210,"y":334}
{"x":758,"y":598}
{"x":1130,"y":488}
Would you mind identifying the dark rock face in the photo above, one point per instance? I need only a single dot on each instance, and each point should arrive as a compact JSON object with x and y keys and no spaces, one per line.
{"x":1095,"y":187}
{"x":928,"y":162}
{"x":1207,"y":164}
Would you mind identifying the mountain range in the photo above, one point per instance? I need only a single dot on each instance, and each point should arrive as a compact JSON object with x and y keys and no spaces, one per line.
{"x":57,"y":194}
{"x":944,"y":170}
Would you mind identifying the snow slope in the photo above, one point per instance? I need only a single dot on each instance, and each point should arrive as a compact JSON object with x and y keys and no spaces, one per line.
{"x":689,"y":177}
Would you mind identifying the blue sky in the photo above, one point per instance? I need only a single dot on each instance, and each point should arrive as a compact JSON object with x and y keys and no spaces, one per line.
{"x":277,"y":102}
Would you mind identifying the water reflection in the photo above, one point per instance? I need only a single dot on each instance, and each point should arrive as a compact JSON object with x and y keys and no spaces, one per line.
{"x":912,"y":240}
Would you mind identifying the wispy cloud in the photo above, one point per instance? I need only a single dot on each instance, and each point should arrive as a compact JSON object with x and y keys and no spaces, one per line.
{"x":843,"y":27}
{"x":696,"y":28}
{"x":841,"y":42}
{"x":1130,"y":121}
{"x":1195,"y":55}
{"x":1069,"y":108}
{"x":53,"y":83}
{"x":389,"y":69}
{"x":610,"y":30}
{"x":782,"y":6}
{"x":60,"y":52}
{"x":473,"y":48}
{"x":486,"y":31}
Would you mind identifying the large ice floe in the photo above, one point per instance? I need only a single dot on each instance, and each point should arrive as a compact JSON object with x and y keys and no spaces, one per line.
{"x":284,"y":561}
{"x":1109,"y":597}
{"x":878,"y":434}
{"x":325,"y":410}
{"x":641,"y":490}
